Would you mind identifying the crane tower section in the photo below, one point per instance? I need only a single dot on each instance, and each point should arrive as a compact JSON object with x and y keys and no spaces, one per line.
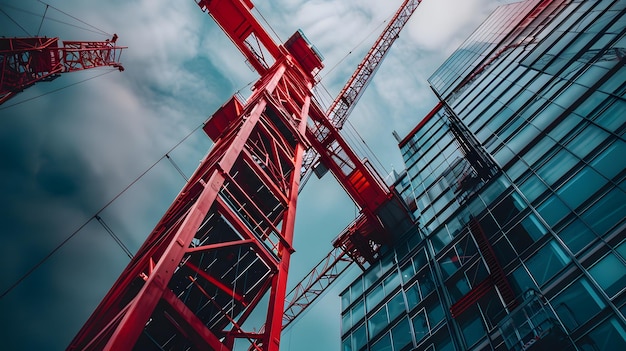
{"x":226,"y":241}
{"x":26,"y":61}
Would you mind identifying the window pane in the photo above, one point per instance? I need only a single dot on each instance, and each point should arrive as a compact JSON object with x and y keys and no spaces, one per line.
{"x":471,"y":325}
{"x":552,"y":210}
{"x":504,"y":252}
{"x":532,"y":188}
{"x":345,"y":300}
{"x":611,"y":161}
{"x":607,"y":212}
{"x":392,"y":282}
{"x":538,"y":150}
{"x":492,"y":308}
{"x":377,"y":322}
{"x":577,"y":304}
{"x":559,"y":165}
{"x":356,"y":289}
{"x":346,"y":344}
{"x":577,"y":235}
{"x":346,"y":323}
{"x":547,"y":262}
{"x":609,"y":335}
{"x":396,"y":306}
{"x":442,"y":340}
{"x":372,"y":276}
{"x":520,"y":238}
{"x":359,"y":338}
{"x":413,"y":296}
{"x":426,"y":282}
{"x":610,"y":274}
{"x":374,"y":297}
{"x":358,"y":311}
{"x":420,"y":326}
{"x":435,"y":312}
{"x":384,"y":344}
{"x":449,"y":263}
{"x":608,"y":117}
{"x":587,"y":140}
{"x":521,"y":281}
{"x":407,"y":272}
{"x":401,"y":334}
{"x":581,"y":187}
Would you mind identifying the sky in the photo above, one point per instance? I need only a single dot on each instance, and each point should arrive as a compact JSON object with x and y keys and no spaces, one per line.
{"x":72,"y":145}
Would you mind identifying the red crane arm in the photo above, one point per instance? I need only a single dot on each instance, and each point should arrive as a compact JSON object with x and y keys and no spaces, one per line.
{"x":352,"y":91}
{"x":351,"y":245}
{"x":314,"y":284}
{"x":26,"y":61}
{"x":362,"y":76}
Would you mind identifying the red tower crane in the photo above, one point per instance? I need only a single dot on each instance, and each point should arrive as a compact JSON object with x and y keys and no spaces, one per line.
{"x":225,"y":242}
{"x":339,"y":259}
{"x":26,"y":61}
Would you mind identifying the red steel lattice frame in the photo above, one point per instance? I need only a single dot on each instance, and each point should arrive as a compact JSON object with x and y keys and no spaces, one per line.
{"x":26,"y":61}
{"x":225,"y":243}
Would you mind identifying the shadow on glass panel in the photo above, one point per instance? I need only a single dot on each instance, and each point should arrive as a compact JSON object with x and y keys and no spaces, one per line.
{"x":532,"y":326}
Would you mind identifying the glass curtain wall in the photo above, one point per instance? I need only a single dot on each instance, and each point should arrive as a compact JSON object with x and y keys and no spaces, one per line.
{"x":536,"y":96}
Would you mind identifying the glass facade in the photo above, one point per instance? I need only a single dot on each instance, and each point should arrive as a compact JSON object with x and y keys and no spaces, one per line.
{"x":518,"y":179}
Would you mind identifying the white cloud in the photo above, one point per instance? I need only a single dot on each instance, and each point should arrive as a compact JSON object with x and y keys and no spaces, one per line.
{"x":442,"y":25}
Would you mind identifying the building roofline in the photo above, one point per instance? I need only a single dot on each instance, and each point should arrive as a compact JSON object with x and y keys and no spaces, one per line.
{"x":420,"y":124}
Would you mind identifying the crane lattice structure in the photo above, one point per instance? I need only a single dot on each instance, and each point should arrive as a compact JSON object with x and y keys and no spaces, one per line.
{"x":26,"y":61}
{"x":225,"y":243}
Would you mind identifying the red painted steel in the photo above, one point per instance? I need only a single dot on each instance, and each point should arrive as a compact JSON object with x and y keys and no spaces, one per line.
{"x":496,"y":277}
{"x":225,"y":242}
{"x":26,"y":61}
{"x":315,"y":283}
{"x":495,"y":268}
{"x":197,"y":260}
{"x":352,"y":91}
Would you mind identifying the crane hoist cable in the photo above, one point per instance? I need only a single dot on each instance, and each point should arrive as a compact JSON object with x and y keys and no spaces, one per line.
{"x":359,"y":44}
{"x":96,"y":215}
{"x":42,"y":19}
{"x":78,"y":19}
{"x":58,"y":89}
{"x":14,"y":21}
{"x":116,"y":238}
{"x":91,"y":28}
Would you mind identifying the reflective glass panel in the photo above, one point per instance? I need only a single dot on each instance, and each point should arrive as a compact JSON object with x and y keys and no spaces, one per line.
{"x":395,"y":306}
{"x":401,"y":334}
{"x":377,"y":322}
{"x":577,"y":235}
{"x":420,"y":326}
{"x":609,"y":335}
{"x":577,"y":304}
{"x":384,"y":344}
{"x":544,"y":264}
{"x":610,"y":274}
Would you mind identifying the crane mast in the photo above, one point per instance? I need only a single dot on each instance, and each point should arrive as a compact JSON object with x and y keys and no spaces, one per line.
{"x":26,"y":61}
{"x":225,"y":242}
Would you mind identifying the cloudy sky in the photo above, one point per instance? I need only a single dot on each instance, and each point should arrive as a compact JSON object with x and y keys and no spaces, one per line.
{"x":68,"y":147}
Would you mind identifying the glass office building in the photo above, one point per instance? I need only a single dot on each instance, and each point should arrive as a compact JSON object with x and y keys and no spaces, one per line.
{"x":518,"y":180}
